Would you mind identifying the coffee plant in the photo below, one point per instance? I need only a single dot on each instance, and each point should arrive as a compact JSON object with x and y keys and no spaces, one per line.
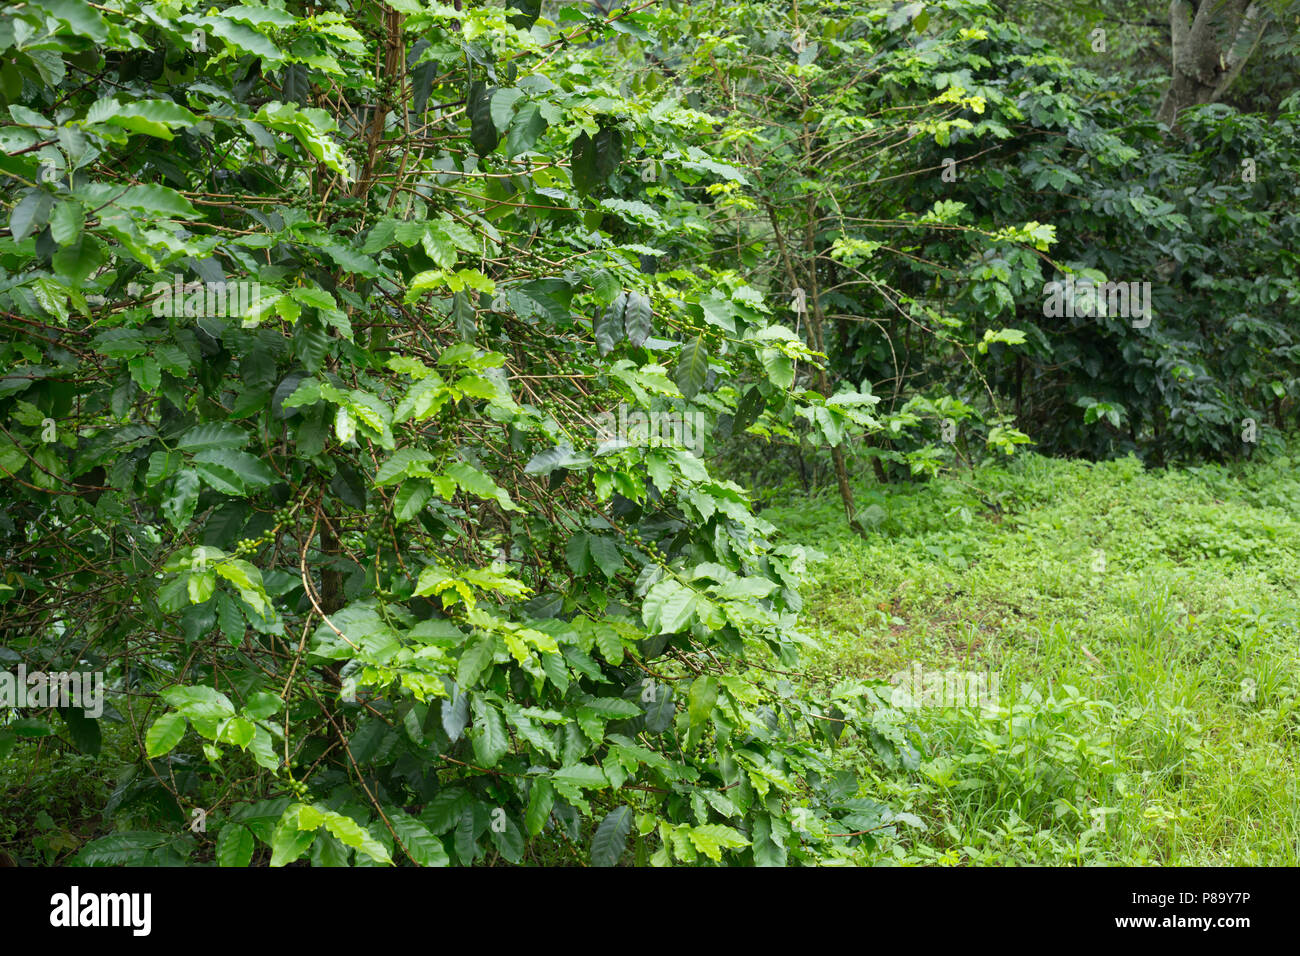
{"x":316,"y":319}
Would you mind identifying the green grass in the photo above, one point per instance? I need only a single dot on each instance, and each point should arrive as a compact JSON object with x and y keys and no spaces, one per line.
{"x":1143,"y":626}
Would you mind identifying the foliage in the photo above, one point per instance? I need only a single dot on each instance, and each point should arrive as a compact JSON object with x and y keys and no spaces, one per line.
{"x":926,"y":171}
{"x":374,"y":379}
{"x":313,"y":316}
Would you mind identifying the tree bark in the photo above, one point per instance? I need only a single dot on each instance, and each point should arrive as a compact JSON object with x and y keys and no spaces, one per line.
{"x":816,"y":324}
{"x":1211,"y":42}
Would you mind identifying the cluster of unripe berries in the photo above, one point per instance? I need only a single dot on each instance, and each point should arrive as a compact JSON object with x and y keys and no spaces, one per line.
{"x":649,"y":547}
{"x":282,"y":517}
{"x":598,"y":401}
{"x":245,"y":545}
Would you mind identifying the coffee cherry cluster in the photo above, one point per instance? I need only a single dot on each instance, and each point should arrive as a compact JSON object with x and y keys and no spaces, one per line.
{"x":246,"y":545}
{"x":649,"y":547}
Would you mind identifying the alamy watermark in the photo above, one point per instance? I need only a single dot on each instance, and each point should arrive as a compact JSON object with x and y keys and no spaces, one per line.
{"x":196,"y":300}
{"x":917,"y":688}
{"x":83,"y":689}
{"x":641,"y":429}
{"x":76,"y":909}
{"x":1084,"y":298}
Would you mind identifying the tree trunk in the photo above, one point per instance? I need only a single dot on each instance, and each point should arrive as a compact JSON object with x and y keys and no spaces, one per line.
{"x":1211,"y":41}
{"x":816,"y":342}
{"x":816,"y":324}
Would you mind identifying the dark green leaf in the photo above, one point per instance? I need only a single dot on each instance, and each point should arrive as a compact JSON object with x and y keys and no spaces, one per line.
{"x":609,"y":842}
{"x":582,"y":163}
{"x":30,"y":213}
{"x":609,"y":325}
{"x":444,"y":810}
{"x":605,"y":552}
{"x":483,"y":134}
{"x":609,"y":151}
{"x":748,"y":409}
{"x":659,"y":710}
{"x":525,"y":129}
{"x":455,"y":715}
{"x":490,"y":738}
{"x":463,"y":314}
{"x":692,"y":367}
{"x":637,"y":319}
{"x":83,"y":730}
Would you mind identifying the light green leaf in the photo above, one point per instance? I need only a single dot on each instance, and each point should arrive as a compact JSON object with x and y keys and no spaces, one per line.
{"x":475,"y":659}
{"x":668,"y":607}
{"x":423,"y":847}
{"x":489,"y":733}
{"x":712,"y":838}
{"x":411,"y":498}
{"x":199,"y":702}
{"x":250,"y":472}
{"x":235,"y":845}
{"x":289,"y":842}
{"x":540,"y":802}
{"x":165,"y":734}
{"x":700,"y":701}
{"x":398,"y":464}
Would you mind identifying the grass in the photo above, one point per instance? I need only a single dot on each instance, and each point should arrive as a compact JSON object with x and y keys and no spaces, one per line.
{"x":1143,"y":630}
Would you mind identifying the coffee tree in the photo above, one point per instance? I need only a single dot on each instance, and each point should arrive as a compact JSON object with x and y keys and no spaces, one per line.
{"x":338,"y":338}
